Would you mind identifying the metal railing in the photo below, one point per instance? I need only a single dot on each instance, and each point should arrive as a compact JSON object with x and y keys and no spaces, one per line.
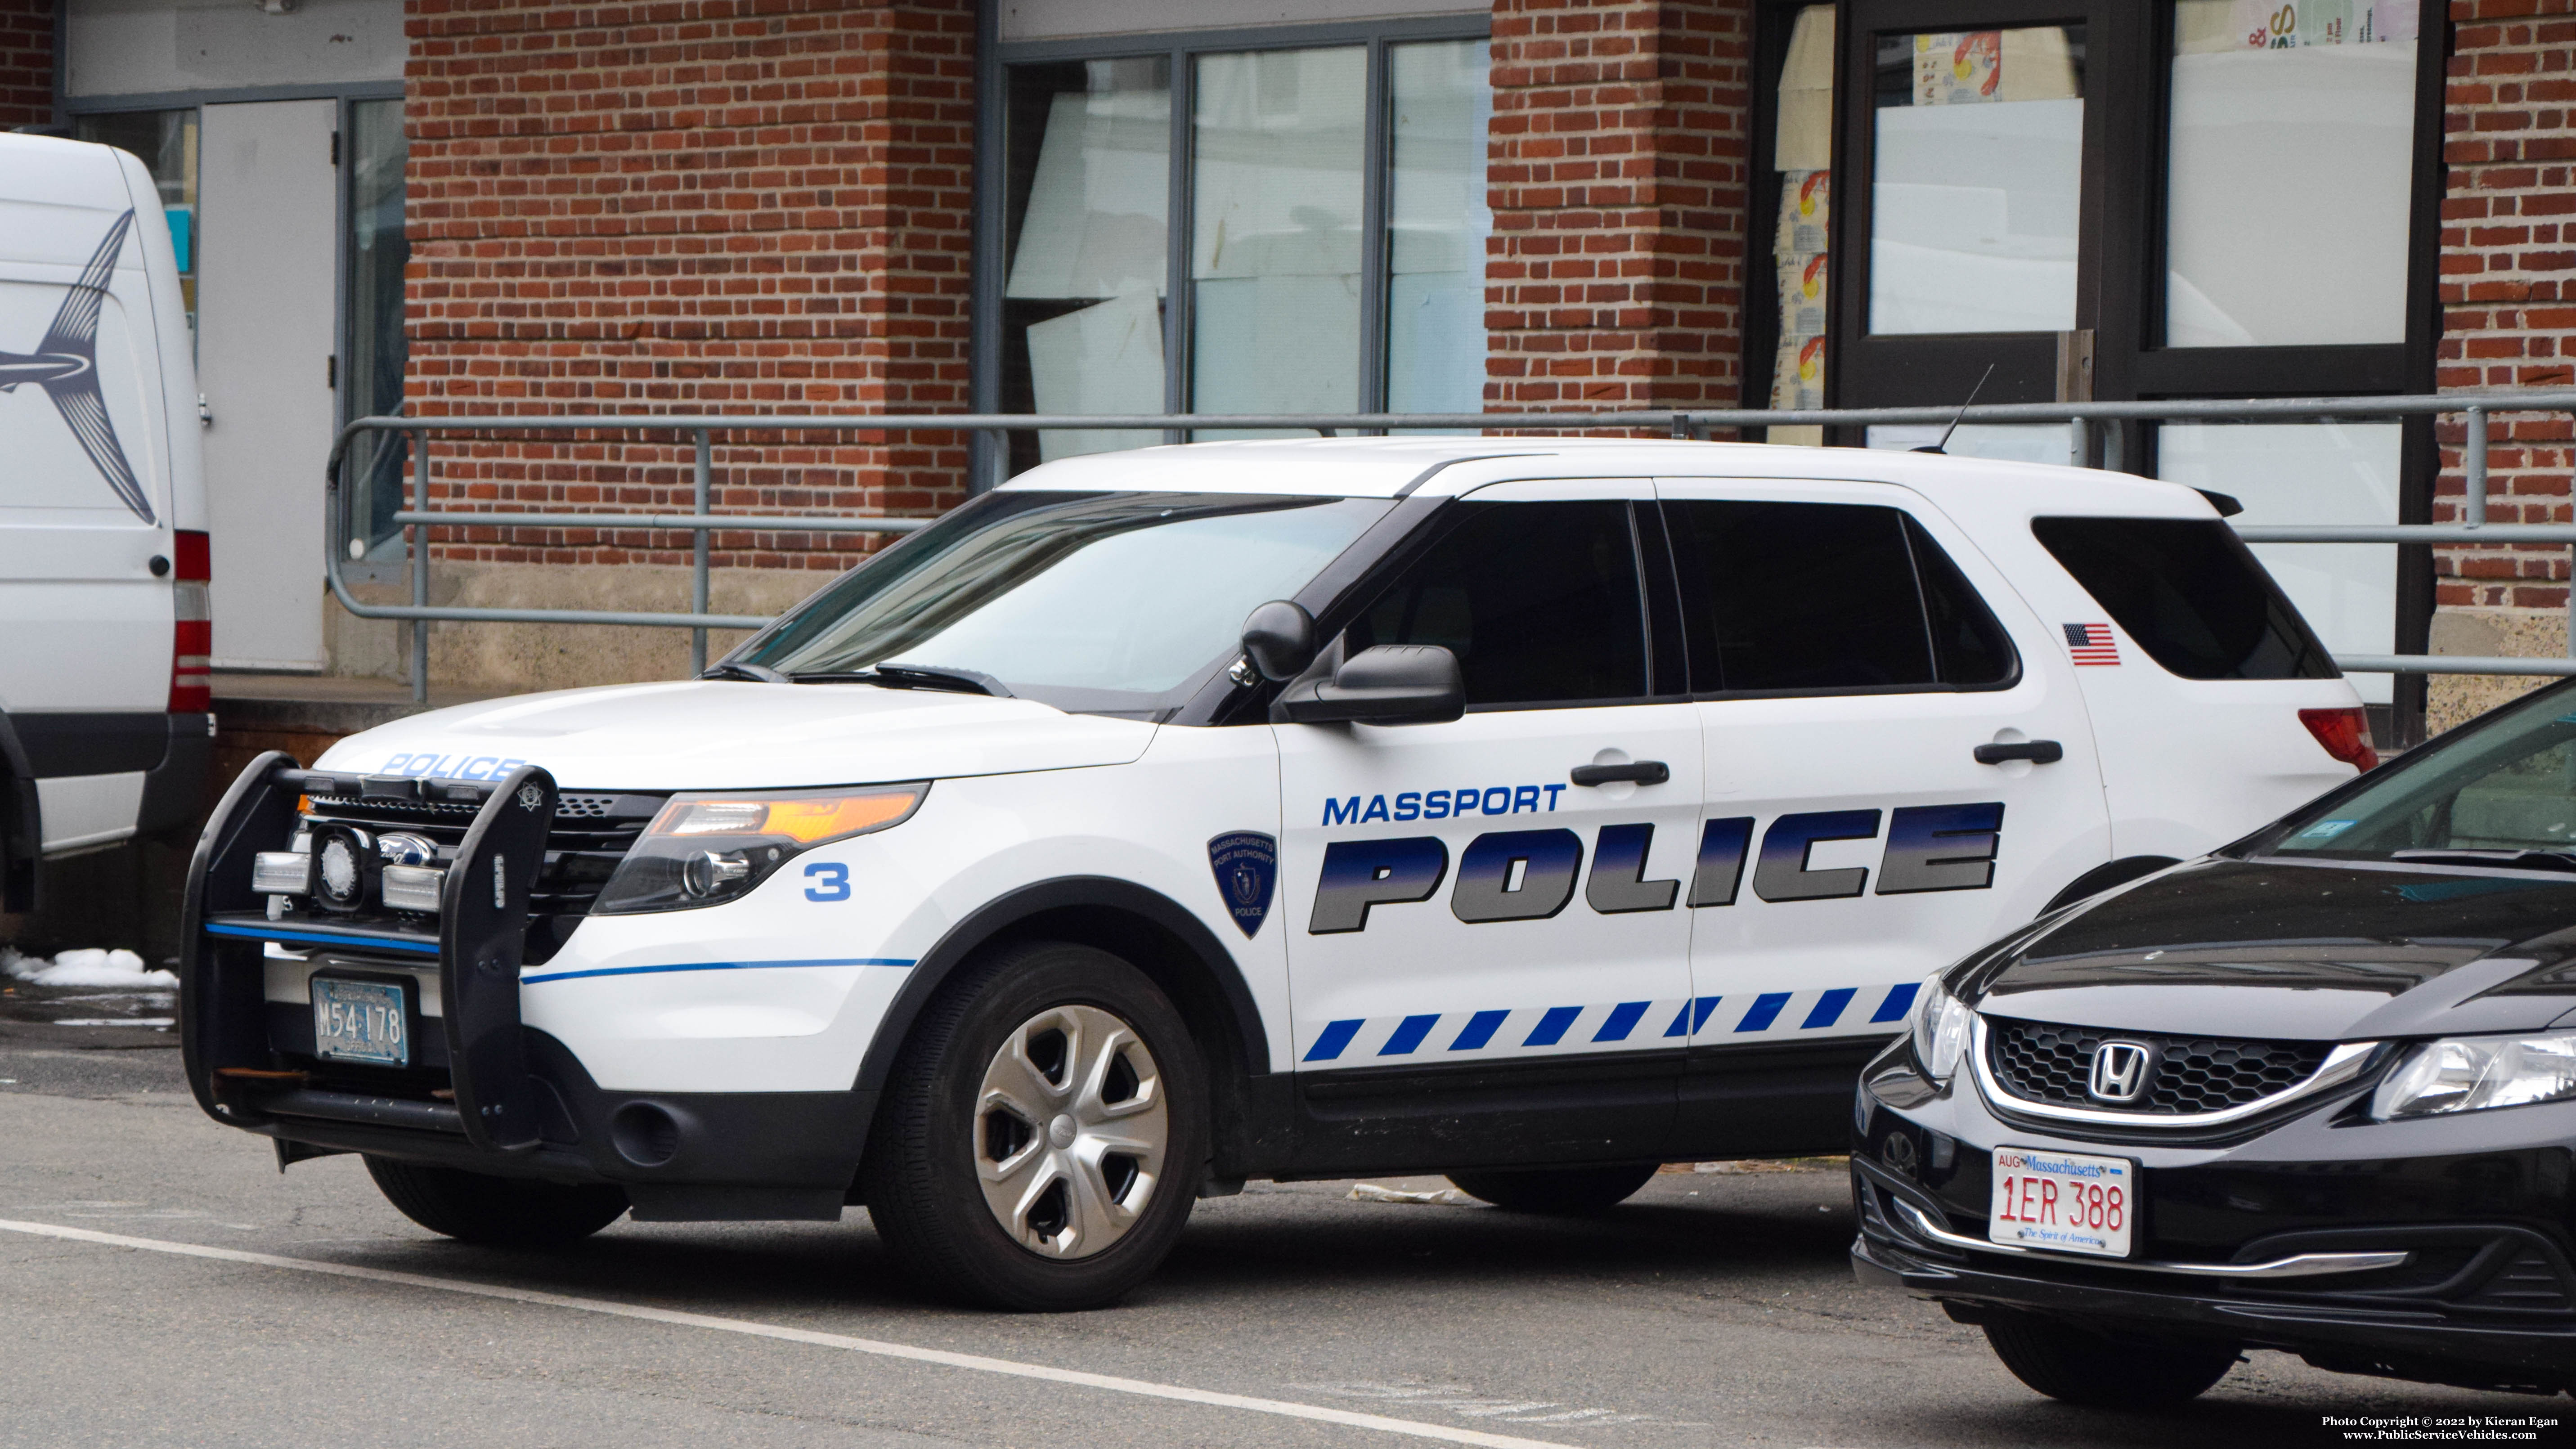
{"x":1692,"y":424}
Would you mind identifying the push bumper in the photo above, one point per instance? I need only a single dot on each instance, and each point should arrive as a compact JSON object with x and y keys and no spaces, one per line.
{"x":506,"y":1099}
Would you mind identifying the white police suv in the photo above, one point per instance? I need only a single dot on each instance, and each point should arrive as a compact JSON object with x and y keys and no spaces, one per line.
{"x":1528,"y":810}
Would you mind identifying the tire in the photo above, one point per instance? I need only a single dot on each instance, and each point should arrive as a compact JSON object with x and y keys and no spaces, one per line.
{"x":991,"y":1172}
{"x":2068,"y":1363}
{"x":496,"y":1212}
{"x":1560,"y":1191}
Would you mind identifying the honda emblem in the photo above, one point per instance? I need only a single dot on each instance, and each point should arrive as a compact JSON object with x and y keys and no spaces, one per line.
{"x":2120,"y":1070}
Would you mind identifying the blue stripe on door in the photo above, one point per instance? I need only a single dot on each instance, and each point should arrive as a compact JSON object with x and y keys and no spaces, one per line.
{"x":1828,"y":1008}
{"x":1766,"y":1008}
{"x":1337,"y":1035}
{"x":1551,"y":1027}
{"x":1408,"y":1035}
{"x":1623,"y":1020}
{"x":1479,"y":1030}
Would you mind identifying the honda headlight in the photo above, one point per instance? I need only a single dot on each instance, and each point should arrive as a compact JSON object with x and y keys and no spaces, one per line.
{"x":1940,"y":1030}
{"x":703,"y":850}
{"x":2473,"y":1073}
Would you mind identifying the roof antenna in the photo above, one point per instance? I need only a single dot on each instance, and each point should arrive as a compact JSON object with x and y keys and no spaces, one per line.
{"x":1961,"y":415}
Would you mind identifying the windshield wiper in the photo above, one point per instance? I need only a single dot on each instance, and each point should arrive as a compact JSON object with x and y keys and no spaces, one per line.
{"x":913,"y":676}
{"x":2512,"y":859}
{"x":757,"y":673}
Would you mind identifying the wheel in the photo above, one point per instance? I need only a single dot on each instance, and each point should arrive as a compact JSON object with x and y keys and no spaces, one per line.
{"x":1043,"y":1134}
{"x":496,"y":1212}
{"x":2068,"y":1363}
{"x":1559,"y":1190}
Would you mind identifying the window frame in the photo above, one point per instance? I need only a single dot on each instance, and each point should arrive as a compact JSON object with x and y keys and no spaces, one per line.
{"x":991,"y":463}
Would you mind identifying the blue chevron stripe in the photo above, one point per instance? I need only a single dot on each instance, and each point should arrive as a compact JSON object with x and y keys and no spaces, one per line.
{"x":1492,"y":1033}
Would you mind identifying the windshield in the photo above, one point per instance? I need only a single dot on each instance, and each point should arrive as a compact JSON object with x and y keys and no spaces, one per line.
{"x":1099,"y":602}
{"x":2500,"y":791}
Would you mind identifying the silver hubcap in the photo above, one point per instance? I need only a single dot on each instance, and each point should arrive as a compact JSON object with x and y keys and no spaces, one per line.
{"x":1070,"y":1131}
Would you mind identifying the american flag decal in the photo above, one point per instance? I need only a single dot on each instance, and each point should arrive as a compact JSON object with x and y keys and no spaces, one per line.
{"x":2091,"y":644}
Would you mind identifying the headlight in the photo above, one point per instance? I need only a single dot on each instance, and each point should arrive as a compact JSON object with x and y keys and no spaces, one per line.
{"x":703,"y":850}
{"x":1940,"y":1031}
{"x":2472,"y":1073}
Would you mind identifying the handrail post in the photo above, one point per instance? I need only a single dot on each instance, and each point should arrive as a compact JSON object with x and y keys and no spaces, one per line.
{"x":420,"y":570}
{"x":2473,"y":462}
{"x":2079,"y":442}
{"x":698,"y":560}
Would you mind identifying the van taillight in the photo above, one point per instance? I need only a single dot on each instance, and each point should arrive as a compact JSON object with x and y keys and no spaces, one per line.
{"x":2345,"y":733}
{"x":193,"y":638}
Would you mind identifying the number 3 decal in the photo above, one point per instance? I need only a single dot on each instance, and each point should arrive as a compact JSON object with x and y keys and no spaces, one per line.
{"x":831,"y":881}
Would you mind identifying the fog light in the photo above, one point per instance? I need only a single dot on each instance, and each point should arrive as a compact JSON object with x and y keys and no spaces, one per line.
{"x":413,"y":888}
{"x":710,"y":871}
{"x":280,"y":872}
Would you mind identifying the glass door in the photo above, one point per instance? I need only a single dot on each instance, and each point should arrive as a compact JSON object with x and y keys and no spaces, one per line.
{"x":1971,"y":136}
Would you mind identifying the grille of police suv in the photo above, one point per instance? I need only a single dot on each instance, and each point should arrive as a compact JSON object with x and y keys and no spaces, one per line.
{"x":2041,"y":1062}
{"x":590,"y":835}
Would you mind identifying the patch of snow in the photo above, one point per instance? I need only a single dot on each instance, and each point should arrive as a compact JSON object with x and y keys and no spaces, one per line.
{"x":85,"y":968}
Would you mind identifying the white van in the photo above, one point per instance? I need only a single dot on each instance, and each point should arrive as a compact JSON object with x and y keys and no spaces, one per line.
{"x":105,"y":729}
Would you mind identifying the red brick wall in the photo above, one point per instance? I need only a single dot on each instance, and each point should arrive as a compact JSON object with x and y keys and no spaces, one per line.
{"x":26,"y":62}
{"x":731,"y":206}
{"x":1618,"y":184}
{"x":2509,"y":280}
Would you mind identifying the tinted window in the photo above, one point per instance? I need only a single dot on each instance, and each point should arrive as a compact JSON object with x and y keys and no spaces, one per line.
{"x":1539,"y":601}
{"x":2191,"y":594}
{"x":1813,"y":597}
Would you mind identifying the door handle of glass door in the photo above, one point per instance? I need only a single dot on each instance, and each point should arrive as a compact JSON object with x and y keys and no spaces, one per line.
{"x":2038,"y":752}
{"x":1642,"y":772}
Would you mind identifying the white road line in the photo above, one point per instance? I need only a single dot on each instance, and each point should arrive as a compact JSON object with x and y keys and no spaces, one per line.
{"x":879,"y":1347}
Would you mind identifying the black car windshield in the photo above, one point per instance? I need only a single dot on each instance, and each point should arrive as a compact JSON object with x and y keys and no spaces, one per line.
{"x":1112,"y":603}
{"x":2502,"y":793}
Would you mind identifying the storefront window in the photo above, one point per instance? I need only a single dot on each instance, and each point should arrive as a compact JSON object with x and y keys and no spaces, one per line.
{"x":2293,"y":129}
{"x":1277,"y":146}
{"x":372,"y":379}
{"x":167,"y":142}
{"x":1334,"y":231}
{"x":1979,"y":155}
{"x":1437,"y":224}
{"x":1083,"y":298}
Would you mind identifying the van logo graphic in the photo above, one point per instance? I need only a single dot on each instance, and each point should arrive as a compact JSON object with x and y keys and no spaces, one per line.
{"x":65,"y":365}
{"x":2120,"y":1070}
{"x":1246,"y":863}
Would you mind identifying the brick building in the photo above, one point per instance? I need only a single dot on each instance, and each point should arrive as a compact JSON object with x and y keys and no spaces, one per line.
{"x":751,"y":206}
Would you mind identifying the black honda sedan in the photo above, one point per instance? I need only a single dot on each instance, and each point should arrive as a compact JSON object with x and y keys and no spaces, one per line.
{"x":2315,"y":1092}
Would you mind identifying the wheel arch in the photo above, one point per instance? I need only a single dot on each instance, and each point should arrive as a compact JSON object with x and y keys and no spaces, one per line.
{"x":1136,"y":923}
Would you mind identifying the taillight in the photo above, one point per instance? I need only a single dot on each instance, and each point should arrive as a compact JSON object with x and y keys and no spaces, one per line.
{"x":2345,"y":733}
{"x":192,"y":640}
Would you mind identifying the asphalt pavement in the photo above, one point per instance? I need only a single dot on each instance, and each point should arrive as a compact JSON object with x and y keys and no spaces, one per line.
{"x":164,"y":1284}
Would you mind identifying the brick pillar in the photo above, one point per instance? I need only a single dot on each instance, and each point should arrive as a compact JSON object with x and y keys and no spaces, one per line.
{"x":721,"y":206}
{"x":26,"y":62}
{"x":1618,"y":174}
{"x":2509,"y":319}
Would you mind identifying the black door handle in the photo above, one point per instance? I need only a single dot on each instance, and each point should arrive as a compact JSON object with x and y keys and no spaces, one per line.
{"x":1643,"y":772}
{"x":2038,"y":752}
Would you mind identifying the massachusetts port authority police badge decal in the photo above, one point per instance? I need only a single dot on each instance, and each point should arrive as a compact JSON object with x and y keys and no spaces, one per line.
{"x":1246,"y":863}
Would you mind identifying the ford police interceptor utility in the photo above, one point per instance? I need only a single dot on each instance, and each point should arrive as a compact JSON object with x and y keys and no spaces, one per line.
{"x":1528,"y":810}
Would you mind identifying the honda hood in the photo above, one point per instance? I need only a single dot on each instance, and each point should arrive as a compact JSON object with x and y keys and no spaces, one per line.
{"x":724,"y":735}
{"x":2313,"y":951}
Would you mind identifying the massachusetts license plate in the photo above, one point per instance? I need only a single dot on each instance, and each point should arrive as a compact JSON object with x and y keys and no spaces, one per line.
{"x":2063,"y":1202}
{"x":360,"y":1021}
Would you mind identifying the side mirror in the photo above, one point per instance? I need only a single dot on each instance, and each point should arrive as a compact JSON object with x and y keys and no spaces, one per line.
{"x":1279,"y":637}
{"x":1389,"y":684}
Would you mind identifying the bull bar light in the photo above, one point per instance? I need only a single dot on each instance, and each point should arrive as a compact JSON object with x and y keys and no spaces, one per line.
{"x":706,"y":849}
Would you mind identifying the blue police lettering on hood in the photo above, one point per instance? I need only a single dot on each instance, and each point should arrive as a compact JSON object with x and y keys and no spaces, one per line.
{"x":1246,"y":863}
{"x":452,"y":767}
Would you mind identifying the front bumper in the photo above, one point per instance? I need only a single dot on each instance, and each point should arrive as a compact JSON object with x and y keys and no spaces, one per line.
{"x":486,"y":1092}
{"x":2437,"y":1250}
